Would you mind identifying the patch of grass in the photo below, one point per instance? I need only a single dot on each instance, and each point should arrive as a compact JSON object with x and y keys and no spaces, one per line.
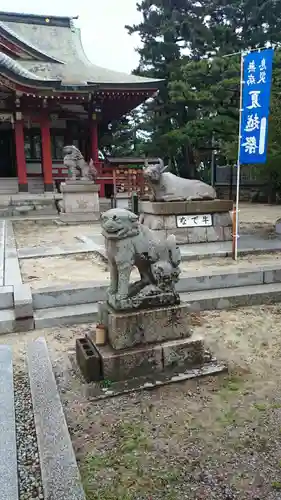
{"x":276,"y":485}
{"x":267,"y":406}
{"x":123,"y":473}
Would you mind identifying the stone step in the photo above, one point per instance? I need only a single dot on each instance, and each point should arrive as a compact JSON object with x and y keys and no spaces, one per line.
{"x":94,"y":291}
{"x":60,"y":474}
{"x":8,"y":447}
{"x":68,"y":315}
{"x":7,"y":321}
{"x":6,"y":297}
{"x":229,"y":298}
{"x":203,"y":300}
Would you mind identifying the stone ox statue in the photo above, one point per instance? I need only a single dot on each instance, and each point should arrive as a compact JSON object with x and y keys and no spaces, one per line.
{"x":77,"y":166}
{"x":166,"y":186}
{"x":128,"y":243}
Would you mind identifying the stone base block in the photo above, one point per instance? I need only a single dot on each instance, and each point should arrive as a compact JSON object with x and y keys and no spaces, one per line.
{"x":130,"y":363}
{"x":183,"y":353}
{"x":162,"y":217}
{"x":129,"y":329}
{"x":80,"y":197}
{"x":88,"y":359}
{"x":104,"y":362}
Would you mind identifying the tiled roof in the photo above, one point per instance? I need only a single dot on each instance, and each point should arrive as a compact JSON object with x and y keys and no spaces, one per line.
{"x":57,"y":45}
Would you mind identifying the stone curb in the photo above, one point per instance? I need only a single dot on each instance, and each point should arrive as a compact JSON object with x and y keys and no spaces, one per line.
{"x":2,"y":250}
{"x":95,"y":291}
{"x":12,"y":267}
{"x":60,"y":474}
{"x":8,"y":447}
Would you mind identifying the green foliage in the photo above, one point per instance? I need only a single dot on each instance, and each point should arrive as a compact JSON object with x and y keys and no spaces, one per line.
{"x":185,"y":43}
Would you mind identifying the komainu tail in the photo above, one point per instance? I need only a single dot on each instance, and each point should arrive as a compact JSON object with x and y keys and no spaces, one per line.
{"x":174,"y":250}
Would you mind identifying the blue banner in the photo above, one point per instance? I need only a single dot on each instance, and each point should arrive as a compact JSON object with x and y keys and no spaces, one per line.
{"x":257,"y":74}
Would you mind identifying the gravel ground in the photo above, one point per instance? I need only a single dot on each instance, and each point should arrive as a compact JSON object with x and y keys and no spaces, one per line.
{"x":46,"y":233}
{"x":86,"y":267}
{"x":29,"y":472}
{"x":214,"y":438}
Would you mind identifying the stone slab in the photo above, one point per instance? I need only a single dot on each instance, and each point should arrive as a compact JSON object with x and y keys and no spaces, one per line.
{"x":148,"y":326}
{"x":130,"y":363}
{"x":230,"y":298}
{"x":79,"y":187}
{"x":12,"y":267}
{"x":8,"y":448}
{"x":96,"y":392}
{"x":75,"y":217}
{"x":68,"y":295}
{"x":183,"y":353}
{"x":6,"y":297}
{"x":64,"y":316}
{"x":2,"y":250}
{"x":60,"y":474}
{"x":186,"y":207}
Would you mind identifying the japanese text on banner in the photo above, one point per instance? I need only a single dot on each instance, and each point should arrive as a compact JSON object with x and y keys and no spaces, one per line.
{"x":257,"y":74}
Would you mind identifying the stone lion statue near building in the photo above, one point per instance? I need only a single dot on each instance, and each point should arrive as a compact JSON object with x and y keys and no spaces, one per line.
{"x":128,"y":244}
{"x":166,"y":186}
{"x":77,"y":166}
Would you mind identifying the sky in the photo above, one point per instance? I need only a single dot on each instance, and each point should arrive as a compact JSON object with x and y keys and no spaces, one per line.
{"x":105,"y":40}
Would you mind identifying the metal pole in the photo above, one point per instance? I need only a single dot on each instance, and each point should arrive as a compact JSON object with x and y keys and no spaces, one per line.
{"x":213,"y":162}
{"x":236,"y":217}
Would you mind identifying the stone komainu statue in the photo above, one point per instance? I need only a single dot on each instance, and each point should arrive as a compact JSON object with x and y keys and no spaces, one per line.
{"x":128,"y":244}
{"x":169,"y":187}
{"x":77,"y":166}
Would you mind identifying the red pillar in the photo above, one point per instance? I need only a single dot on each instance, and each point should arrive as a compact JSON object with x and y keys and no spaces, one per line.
{"x":20,"y":155}
{"x":47,"y":154}
{"x":94,"y":142}
{"x":95,"y":152}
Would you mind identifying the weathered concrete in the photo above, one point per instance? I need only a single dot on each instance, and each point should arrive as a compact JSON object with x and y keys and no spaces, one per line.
{"x":70,"y":315}
{"x":183,"y":353}
{"x":60,"y":474}
{"x":12,"y":267}
{"x":61,"y":296}
{"x":130,"y":363}
{"x":130,"y":329}
{"x":185,"y":207}
{"x":8,"y":449}
{"x":6,"y":297}
{"x":2,"y":250}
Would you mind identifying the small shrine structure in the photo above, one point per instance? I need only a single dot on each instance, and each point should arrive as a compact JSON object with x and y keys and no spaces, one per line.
{"x":51,"y":95}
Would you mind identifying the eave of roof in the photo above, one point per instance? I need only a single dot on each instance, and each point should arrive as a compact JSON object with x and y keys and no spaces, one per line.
{"x":61,"y":61}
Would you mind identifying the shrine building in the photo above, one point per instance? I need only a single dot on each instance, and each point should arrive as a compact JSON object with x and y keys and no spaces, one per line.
{"x":51,"y":95}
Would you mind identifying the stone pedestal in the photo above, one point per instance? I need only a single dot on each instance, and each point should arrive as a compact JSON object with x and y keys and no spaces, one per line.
{"x":80,"y":201}
{"x":190,"y":221}
{"x":141,"y":344}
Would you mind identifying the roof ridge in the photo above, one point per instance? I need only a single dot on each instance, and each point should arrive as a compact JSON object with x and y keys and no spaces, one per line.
{"x":39,"y":16}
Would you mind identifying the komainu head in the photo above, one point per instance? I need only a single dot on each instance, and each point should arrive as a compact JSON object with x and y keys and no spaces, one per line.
{"x":119,"y":223}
